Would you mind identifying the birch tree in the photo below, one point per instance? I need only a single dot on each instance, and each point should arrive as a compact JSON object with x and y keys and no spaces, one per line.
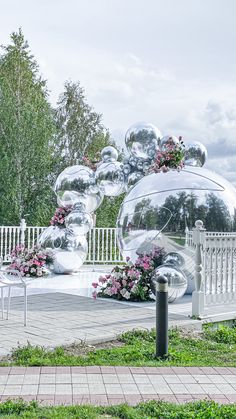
{"x":26,"y":131}
{"x":80,"y":128}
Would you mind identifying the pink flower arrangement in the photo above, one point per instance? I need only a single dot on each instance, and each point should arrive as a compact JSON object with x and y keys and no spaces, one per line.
{"x":31,"y":263}
{"x":130,"y":281}
{"x":92,"y":164}
{"x":171,"y":158}
{"x":58,"y":218}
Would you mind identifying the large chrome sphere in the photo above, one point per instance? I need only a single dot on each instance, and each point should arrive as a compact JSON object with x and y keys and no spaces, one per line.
{"x":69,"y":251}
{"x":79,"y":222}
{"x":76,"y":184}
{"x":195,"y":154}
{"x":110,"y":178}
{"x":109,"y":153}
{"x":160,"y":206}
{"x":142,"y":139}
{"x":177,"y":281}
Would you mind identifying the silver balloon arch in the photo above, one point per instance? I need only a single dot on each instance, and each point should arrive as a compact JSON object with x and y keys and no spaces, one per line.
{"x":147,"y":216}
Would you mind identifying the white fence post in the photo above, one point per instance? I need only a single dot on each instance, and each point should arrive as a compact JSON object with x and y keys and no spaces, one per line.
{"x":198,"y":294}
{"x":22,"y":231}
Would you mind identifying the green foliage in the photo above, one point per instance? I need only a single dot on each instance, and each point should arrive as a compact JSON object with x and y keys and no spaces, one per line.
{"x":37,"y":142}
{"x":26,"y":132}
{"x":151,"y":409}
{"x":80,"y":128}
{"x":107,"y":213}
{"x":138,"y":349}
{"x":222,"y":334}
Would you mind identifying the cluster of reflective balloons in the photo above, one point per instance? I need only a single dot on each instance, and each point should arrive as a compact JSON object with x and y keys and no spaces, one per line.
{"x":146,"y":216}
{"x":75,"y":187}
{"x":143,"y":140}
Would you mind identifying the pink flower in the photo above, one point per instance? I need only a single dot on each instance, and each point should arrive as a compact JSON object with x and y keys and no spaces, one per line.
{"x":94,"y":284}
{"x":114,"y":290}
{"x":94,"y":295}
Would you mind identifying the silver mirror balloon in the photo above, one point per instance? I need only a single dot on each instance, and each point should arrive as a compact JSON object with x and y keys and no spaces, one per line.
{"x":76,"y":184}
{"x":177,"y":281}
{"x":162,"y":204}
{"x":168,"y":141}
{"x":142,"y":140}
{"x":69,"y":250}
{"x":110,"y":178}
{"x":195,"y":154}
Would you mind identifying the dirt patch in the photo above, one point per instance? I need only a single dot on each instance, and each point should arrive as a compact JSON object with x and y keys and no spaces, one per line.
{"x":80,"y":349}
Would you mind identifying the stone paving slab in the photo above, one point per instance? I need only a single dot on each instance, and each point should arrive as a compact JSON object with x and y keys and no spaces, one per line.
{"x":113,"y":385}
{"x":58,"y":319}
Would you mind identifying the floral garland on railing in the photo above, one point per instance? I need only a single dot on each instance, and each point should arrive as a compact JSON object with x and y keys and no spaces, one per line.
{"x":171,"y":158}
{"x":30,"y":263}
{"x":131,"y":281}
{"x":59,"y":216}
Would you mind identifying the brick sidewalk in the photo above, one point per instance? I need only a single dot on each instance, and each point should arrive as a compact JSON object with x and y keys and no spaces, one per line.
{"x":114,"y":385}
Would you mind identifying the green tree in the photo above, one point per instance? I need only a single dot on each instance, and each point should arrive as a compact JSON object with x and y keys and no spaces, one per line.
{"x":218,"y":217}
{"x":26,"y":132}
{"x":80,"y":128}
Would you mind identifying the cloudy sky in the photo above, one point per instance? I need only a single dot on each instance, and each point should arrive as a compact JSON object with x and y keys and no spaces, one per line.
{"x":169,"y":62}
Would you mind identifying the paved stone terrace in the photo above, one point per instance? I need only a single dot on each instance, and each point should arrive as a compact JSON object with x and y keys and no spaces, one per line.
{"x":56,"y":318}
{"x":115,"y":385}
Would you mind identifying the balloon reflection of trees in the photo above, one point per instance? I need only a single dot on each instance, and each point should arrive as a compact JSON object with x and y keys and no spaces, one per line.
{"x":184,"y":209}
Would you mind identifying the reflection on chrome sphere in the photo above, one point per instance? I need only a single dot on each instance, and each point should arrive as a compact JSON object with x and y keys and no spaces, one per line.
{"x":69,"y":251}
{"x":168,"y":140}
{"x":110,"y":178}
{"x":161,"y":204}
{"x":142,"y":139}
{"x":79,"y":222}
{"x":109,"y":153}
{"x":174,"y":258}
{"x":177,"y":282}
{"x":195,"y":154}
{"x":77,"y":184}
{"x":133,"y":178}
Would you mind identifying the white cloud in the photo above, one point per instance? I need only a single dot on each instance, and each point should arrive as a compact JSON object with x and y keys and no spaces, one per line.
{"x":171,"y":63}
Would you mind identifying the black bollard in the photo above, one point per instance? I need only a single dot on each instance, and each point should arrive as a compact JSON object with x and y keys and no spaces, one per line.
{"x":161,"y":316}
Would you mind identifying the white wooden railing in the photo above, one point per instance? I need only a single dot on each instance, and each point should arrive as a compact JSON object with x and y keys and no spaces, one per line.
{"x":102,"y":242}
{"x":215,"y":269}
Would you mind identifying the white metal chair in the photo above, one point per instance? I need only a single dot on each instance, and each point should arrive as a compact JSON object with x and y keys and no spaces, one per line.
{"x":10,"y":279}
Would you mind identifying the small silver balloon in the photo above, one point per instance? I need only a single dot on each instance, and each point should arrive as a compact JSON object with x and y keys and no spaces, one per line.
{"x":126,"y":169}
{"x":177,"y":282}
{"x":141,"y":139}
{"x":133,"y":178}
{"x":168,"y":141}
{"x":54,"y":237}
{"x":133,"y":161}
{"x":140,"y":164}
{"x":195,"y":154}
{"x":110,"y":178}
{"x":69,"y":251}
{"x":70,"y":260}
{"x":77,"y":184}
{"x":174,"y":258}
{"x":79,"y":222}
{"x":109,"y":153}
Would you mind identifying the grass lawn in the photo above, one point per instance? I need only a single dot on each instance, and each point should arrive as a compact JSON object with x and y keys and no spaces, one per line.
{"x":178,"y":240}
{"x":137,"y":348}
{"x":152,"y":409}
